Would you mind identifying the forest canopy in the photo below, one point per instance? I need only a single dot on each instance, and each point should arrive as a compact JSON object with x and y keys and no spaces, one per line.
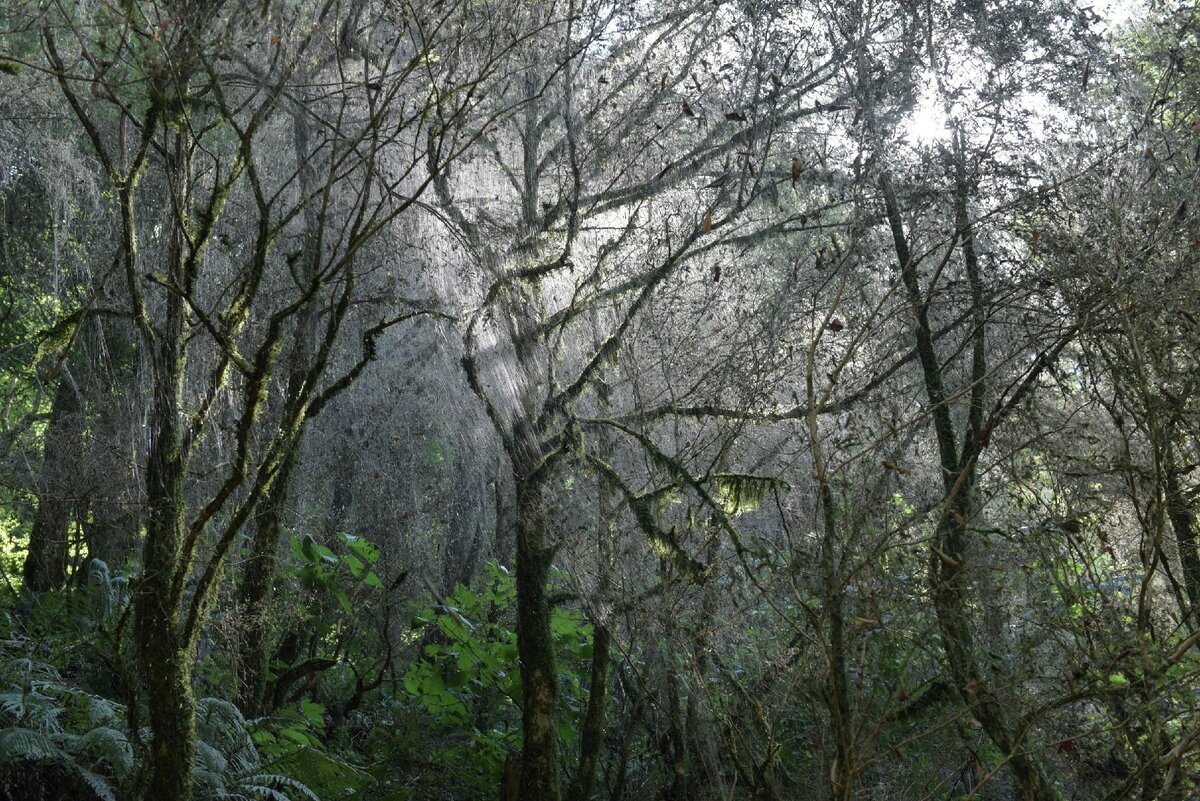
{"x":634,"y":400}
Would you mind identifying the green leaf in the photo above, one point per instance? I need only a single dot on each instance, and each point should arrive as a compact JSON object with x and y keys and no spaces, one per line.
{"x":431,"y":683}
{"x":327,"y":776}
{"x":563,"y":623}
{"x":365,"y":550}
{"x":294,"y":734}
{"x":263,"y":737}
{"x":412,"y":680}
{"x":308,"y":549}
{"x":566,"y":732}
{"x":313,"y":712}
{"x":20,"y":744}
{"x":372,"y":580}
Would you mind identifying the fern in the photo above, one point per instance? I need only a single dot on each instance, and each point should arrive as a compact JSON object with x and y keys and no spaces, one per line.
{"x":108,"y":745}
{"x":19,"y":744}
{"x":26,"y":745}
{"x":102,"y":712}
{"x":45,"y":721}
{"x":52,"y":723}
{"x":326,"y":775}
{"x":211,"y":767}
{"x":229,"y":766}
{"x":95,"y":782}
{"x":262,"y":781}
{"x":221,"y":724}
{"x":109,"y":592}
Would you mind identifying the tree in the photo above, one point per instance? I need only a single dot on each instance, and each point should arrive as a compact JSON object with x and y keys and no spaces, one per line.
{"x":569,"y":276}
{"x":173,"y":111}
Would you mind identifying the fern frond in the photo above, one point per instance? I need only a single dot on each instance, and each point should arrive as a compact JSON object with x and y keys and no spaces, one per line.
{"x":269,"y":793}
{"x":207,"y":784}
{"x":110,"y":745}
{"x":95,"y":782}
{"x":102,"y":712}
{"x":263,"y":780}
{"x":28,"y":669}
{"x":12,"y":703}
{"x":220,"y":723}
{"x":326,"y":775}
{"x":209,"y":760}
{"x":19,"y":744}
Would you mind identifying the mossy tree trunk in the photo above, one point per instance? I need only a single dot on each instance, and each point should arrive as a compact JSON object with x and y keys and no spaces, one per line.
{"x":948,"y":556}
{"x":165,"y":650}
{"x":254,"y":594}
{"x":591,"y":739}
{"x":46,"y":564}
{"x":535,"y":648}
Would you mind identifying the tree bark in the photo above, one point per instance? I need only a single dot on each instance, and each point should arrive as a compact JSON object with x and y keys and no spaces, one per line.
{"x":46,"y":564}
{"x":258,"y":580}
{"x":592,"y":737}
{"x":1183,"y":524}
{"x":594,"y":721}
{"x":947,"y":560}
{"x":254,"y":596}
{"x":166,"y":655}
{"x":535,"y":649}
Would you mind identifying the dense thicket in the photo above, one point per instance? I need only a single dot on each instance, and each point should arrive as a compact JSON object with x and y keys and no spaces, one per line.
{"x":586,"y":399}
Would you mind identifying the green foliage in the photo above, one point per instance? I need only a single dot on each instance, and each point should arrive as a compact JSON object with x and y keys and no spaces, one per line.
{"x":276,"y":759}
{"x":46,"y":721}
{"x":50,"y":722}
{"x":467,"y":682}
{"x":336,"y":575}
{"x":327,"y":776}
{"x":473,"y":658}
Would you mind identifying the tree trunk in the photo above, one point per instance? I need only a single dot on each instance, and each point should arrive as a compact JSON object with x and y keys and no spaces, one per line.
{"x":592,"y":737}
{"x":535,"y":648}
{"x":259,"y":578}
{"x":841,"y":773}
{"x":946,"y":570}
{"x":165,"y":651}
{"x":165,"y":655}
{"x":46,"y":565}
{"x":594,"y":723}
{"x":254,"y":599}
{"x":1183,"y":524}
{"x":114,"y":503}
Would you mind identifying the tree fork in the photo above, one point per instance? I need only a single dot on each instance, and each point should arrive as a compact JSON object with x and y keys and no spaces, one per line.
{"x":958,"y":473}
